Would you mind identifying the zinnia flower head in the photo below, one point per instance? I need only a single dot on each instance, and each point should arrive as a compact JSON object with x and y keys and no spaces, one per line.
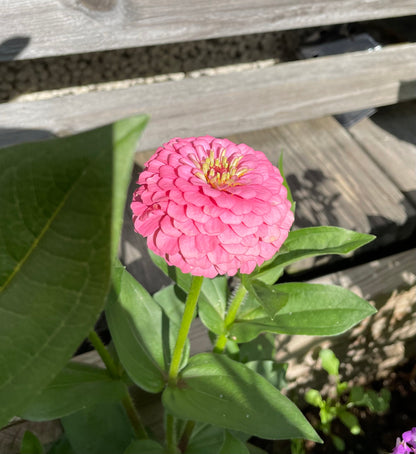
{"x":209,"y":206}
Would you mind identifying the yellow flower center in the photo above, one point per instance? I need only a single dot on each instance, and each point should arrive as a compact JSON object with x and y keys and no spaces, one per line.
{"x":219,"y":171}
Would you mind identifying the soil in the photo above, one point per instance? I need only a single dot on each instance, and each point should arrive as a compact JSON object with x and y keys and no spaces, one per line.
{"x":379,"y":432}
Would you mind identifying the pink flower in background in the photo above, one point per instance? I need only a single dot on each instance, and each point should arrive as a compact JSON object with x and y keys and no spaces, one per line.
{"x":209,"y":206}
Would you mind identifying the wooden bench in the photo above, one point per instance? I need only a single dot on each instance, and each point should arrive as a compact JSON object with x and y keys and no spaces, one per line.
{"x":361,"y":178}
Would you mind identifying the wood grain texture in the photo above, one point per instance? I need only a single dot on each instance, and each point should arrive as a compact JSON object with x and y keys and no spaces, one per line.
{"x":390,"y":139}
{"x":226,"y":104}
{"x":58,"y":27}
{"x":334,"y":181}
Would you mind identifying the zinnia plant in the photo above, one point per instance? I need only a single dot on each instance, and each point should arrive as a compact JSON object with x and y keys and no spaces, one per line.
{"x":217,"y":219}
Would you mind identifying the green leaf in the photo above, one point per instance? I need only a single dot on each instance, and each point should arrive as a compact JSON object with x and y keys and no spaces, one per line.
{"x":76,"y":387}
{"x":312,"y":309}
{"x":233,"y":444}
{"x":205,"y":439}
{"x":142,"y":334}
{"x":253,"y":449}
{"x":212,"y":303}
{"x":338,"y":442}
{"x":183,"y":280}
{"x":350,"y":421}
{"x":261,"y":348}
{"x":61,"y":446}
{"x":378,"y":403}
{"x":267,"y":296}
{"x":172,"y":301}
{"x":31,"y":444}
{"x":58,"y":233}
{"x":103,"y":429}
{"x":125,"y":136}
{"x":356,"y":395}
{"x":329,"y":361}
{"x":313,"y":397}
{"x":144,"y":447}
{"x":286,"y":184}
{"x":273,"y":372}
{"x":311,"y":242}
{"x":217,"y":390}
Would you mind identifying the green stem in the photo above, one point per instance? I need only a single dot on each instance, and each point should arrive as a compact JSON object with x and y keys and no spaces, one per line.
{"x":187,"y":318}
{"x":229,"y":318}
{"x":186,"y":436}
{"x":115,"y":373}
{"x":134,"y":417}
{"x":108,"y":361}
{"x":170,"y":434}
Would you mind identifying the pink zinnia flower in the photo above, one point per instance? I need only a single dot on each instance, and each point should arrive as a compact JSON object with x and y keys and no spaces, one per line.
{"x":209,"y":206}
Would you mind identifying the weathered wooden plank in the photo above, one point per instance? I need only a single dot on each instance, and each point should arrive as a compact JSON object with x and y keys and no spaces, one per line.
{"x":226,"y":104}
{"x":390,"y":139}
{"x":58,"y":27}
{"x":334,"y":181}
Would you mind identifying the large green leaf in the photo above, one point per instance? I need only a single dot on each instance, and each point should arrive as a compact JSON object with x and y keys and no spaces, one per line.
{"x":58,"y":235}
{"x":142,"y":333}
{"x":311,"y":242}
{"x":273,"y":372}
{"x":103,"y":429}
{"x":217,"y":390}
{"x":213,"y":302}
{"x":233,"y":444}
{"x":312,"y":309}
{"x":205,"y":439}
{"x":144,"y":447}
{"x":76,"y":387}
{"x":172,"y":301}
{"x":61,"y":446}
{"x":267,"y":296}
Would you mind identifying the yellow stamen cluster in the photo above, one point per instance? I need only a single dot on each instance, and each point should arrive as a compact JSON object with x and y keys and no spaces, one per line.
{"x":220,"y":172}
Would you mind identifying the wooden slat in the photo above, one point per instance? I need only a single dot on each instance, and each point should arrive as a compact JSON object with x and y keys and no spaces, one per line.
{"x":334,"y":181}
{"x":390,"y":138}
{"x":58,"y":27}
{"x":226,"y":104}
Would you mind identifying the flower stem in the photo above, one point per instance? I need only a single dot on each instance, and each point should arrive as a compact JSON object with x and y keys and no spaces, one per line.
{"x":134,"y":417}
{"x":186,"y":436}
{"x":108,"y":361}
{"x":187,"y":318}
{"x":229,"y":318}
{"x":115,"y":373}
{"x":170,"y":434}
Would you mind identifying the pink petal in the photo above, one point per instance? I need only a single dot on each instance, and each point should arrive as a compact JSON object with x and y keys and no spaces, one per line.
{"x":167,"y":244}
{"x":213,"y":226}
{"x":166,"y":224}
{"x":196,"y":213}
{"x":230,"y":218}
{"x":188,"y":246}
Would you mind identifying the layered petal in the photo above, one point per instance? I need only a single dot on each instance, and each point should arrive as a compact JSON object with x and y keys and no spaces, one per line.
{"x":209,"y":206}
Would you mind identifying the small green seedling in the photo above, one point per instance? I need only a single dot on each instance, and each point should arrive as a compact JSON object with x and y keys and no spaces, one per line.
{"x":345,"y":398}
